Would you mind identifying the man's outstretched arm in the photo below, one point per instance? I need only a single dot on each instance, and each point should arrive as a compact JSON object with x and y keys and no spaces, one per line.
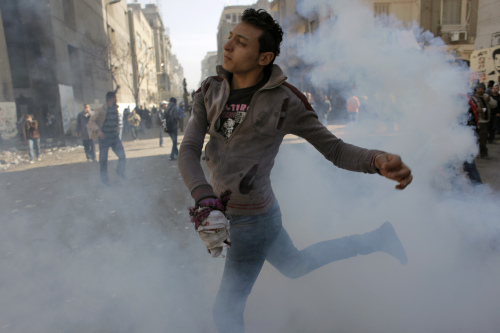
{"x":392,"y":167}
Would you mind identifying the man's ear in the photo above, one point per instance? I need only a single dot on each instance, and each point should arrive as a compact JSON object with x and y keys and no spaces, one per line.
{"x":265,"y":58}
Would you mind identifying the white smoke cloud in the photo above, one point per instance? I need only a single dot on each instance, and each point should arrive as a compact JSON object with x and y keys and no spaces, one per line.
{"x":449,"y":229}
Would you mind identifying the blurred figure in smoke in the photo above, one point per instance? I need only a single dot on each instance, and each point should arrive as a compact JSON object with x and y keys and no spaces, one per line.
{"x":82,"y":121}
{"x":470,"y":168}
{"x":134,"y":121}
{"x":49,"y":123}
{"x":32,"y":137}
{"x":353,"y":108}
{"x":104,"y":126}
{"x":328,"y":109}
{"x":161,"y":118}
{"x":483,"y":103}
{"x":181,"y":116}
{"x":240,"y":155}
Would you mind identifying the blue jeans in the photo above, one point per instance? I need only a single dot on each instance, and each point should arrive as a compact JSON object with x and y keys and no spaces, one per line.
{"x":470,"y":170}
{"x":258,"y":238}
{"x":161,"y":135}
{"x":88,"y":145}
{"x":175,"y":150}
{"x":34,"y":143}
{"x":116,"y":145}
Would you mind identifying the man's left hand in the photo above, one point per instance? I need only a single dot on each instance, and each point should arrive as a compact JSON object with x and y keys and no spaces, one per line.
{"x":391,"y":166}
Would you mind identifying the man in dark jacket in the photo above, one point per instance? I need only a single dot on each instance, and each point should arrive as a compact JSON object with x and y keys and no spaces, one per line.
{"x":247,"y":110}
{"x":171,"y":123}
{"x":82,"y":121}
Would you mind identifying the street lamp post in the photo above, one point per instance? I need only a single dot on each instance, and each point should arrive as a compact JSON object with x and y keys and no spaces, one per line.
{"x":109,"y":40}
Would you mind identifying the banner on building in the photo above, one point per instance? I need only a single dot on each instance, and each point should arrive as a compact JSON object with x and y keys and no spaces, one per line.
{"x":485,"y":64}
{"x":8,"y":120}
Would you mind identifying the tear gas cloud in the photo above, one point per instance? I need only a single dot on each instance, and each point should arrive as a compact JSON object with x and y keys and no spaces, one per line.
{"x":449,"y":229}
{"x":129,"y":265}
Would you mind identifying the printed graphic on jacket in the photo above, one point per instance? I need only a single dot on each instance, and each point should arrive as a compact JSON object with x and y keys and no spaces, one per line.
{"x":231,"y":117}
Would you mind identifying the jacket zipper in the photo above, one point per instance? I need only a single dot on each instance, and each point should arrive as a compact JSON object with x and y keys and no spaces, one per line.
{"x":239,"y":126}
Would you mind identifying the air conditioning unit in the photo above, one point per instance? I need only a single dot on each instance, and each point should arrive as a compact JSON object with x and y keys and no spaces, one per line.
{"x":458,"y":36}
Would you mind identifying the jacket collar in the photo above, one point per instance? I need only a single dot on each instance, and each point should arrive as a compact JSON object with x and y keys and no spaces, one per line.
{"x":277,"y":76}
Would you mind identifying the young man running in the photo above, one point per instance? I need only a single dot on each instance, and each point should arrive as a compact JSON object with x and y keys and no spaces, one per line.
{"x":247,"y":110}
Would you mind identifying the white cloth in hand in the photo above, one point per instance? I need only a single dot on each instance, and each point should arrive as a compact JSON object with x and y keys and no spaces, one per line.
{"x":214,"y":232}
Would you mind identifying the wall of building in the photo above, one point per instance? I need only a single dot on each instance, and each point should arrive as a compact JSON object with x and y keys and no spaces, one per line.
{"x":8,"y":116}
{"x":488,"y":27}
{"x":143,"y":57}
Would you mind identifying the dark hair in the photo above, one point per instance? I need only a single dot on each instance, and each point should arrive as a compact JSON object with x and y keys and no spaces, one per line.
{"x":495,"y":52}
{"x":110,"y":95}
{"x":491,"y":83}
{"x":272,"y":34}
{"x":173,"y":100}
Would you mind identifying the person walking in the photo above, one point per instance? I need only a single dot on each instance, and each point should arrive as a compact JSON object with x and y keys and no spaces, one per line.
{"x":103,"y":126}
{"x":134,"y":120}
{"x":247,"y":110}
{"x":82,"y":121}
{"x":353,"y":108}
{"x":172,"y":123}
{"x":32,"y":137}
{"x":161,"y":119}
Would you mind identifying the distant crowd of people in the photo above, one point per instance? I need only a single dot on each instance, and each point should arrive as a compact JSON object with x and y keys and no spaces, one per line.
{"x":105,"y":126}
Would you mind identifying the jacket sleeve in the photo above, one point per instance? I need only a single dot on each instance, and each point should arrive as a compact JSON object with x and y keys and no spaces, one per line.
{"x":341,"y":154}
{"x":190,"y":152}
{"x":493,"y":103}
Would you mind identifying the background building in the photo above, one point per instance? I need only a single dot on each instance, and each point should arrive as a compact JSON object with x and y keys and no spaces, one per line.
{"x":8,"y":116}
{"x":143,"y":83}
{"x":208,"y":65}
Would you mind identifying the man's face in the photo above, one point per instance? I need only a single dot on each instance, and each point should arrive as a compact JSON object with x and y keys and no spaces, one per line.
{"x":112,"y":101}
{"x":241,"y":50}
{"x":480,"y":91}
{"x":87,"y":109}
{"x":494,"y":90}
{"x":496,"y":62}
{"x":163,"y":106}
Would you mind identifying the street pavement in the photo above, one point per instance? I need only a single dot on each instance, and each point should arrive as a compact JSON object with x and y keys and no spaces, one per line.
{"x":62,"y":242}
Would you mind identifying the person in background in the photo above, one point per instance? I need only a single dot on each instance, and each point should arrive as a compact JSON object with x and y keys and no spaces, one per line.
{"x":104,"y":126}
{"x":172,"y":123}
{"x":82,"y":121}
{"x":162,"y":120}
{"x":483,"y":104}
{"x":49,"y":123}
{"x":181,"y":116}
{"x":494,"y":125}
{"x":134,"y":120}
{"x":32,"y":137}
{"x":470,"y":167}
{"x":353,"y":108}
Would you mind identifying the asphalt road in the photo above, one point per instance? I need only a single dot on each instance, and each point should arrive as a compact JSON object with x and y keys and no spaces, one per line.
{"x":62,"y":252}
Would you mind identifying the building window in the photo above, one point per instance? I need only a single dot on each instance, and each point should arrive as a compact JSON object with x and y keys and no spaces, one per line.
{"x":228,"y":17}
{"x":381,"y":9}
{"x":452,"y":12}
{"x":234,"y":18}
{"x":69,"y":13}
